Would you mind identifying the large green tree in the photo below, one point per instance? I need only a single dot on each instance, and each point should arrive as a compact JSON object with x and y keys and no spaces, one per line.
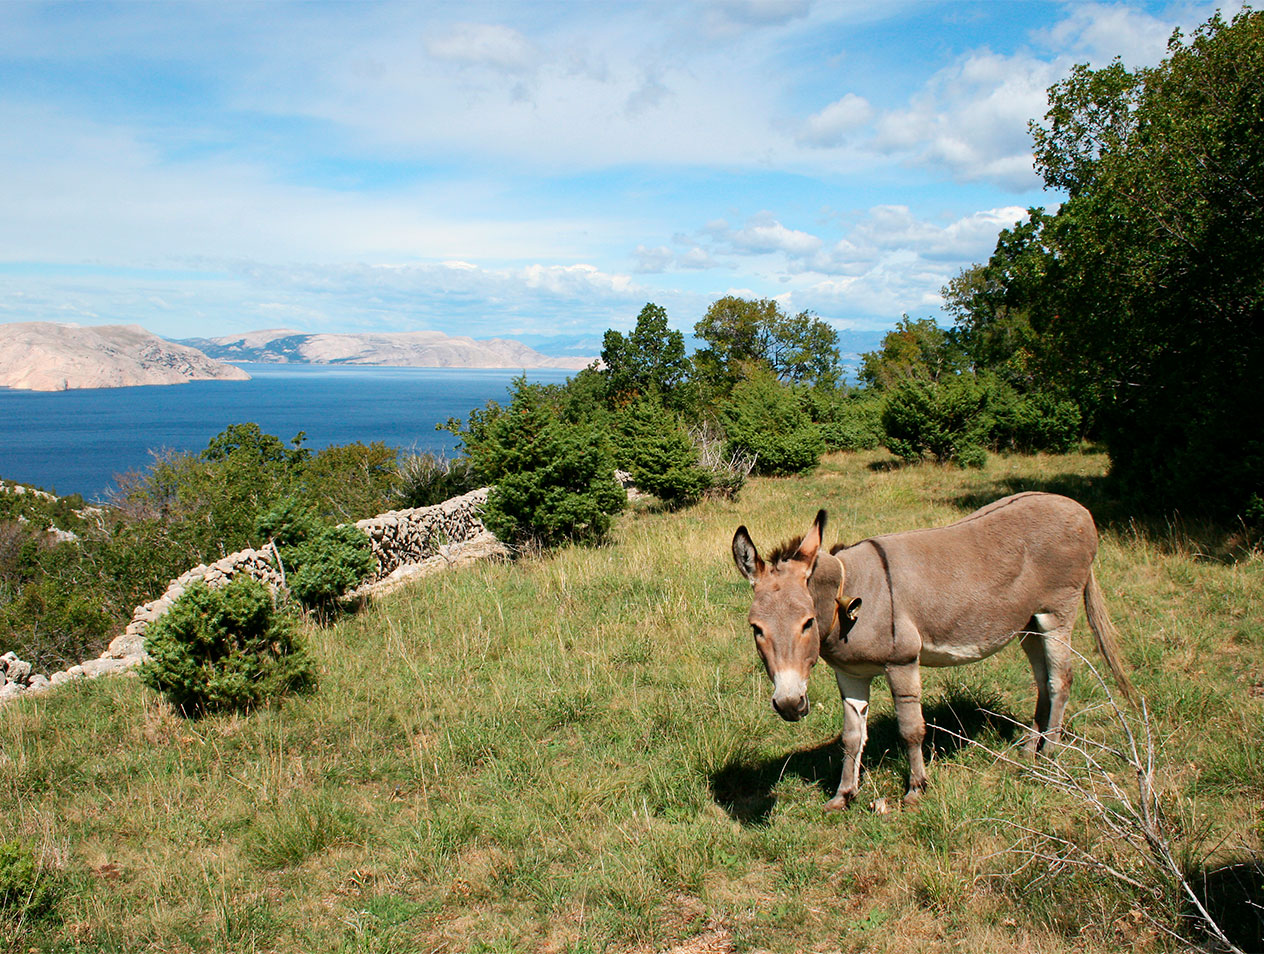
{"x":649,"y":360}
{"x":1145,"y":292}
{"x":798,"y":349}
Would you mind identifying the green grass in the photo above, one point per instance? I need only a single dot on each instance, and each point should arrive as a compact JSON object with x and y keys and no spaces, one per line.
{"x":576,"y":753}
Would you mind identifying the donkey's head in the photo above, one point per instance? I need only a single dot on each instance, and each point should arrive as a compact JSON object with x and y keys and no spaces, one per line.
{"x":788,"y":611}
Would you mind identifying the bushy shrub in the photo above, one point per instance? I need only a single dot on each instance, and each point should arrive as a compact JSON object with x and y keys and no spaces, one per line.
{"x":225,"y":649}
{"x":1037,"y":421}
{"x":28,"y":891}
{"x":429,"y":479}
{"x":327,"y":564}
{"x":348,"y":482}
{"x":321,"y":562}
{"x":948,"y":420}
{"x":553,"y":479}
{"x":659,"y":454}
{"x":847,"y":421}
{"x":767,"y":419}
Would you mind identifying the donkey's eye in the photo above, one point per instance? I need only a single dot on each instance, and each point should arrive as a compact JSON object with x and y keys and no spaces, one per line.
{"x":756,"y":631}
{"x":807,"y":624}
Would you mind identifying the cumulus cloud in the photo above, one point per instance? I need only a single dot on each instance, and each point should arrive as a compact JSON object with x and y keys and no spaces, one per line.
{"x":763,"y":234}
{"x":836,"y":122}
{"x":1100,"y":32}
{"x":971,"y":119}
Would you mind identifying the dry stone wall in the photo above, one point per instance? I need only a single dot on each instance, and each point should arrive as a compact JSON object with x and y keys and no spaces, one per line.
{"x":405,"y":543}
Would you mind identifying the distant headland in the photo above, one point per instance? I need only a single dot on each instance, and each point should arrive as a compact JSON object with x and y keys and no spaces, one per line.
{"x":48,"y":356}
{"x":404,"y":349}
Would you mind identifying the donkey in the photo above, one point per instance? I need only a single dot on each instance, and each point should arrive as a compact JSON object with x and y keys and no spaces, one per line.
{"x":1016,"y":569}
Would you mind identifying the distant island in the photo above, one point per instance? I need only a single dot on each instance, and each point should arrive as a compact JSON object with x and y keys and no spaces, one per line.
{"x":404,"y":349}
{"x":46,"y":356}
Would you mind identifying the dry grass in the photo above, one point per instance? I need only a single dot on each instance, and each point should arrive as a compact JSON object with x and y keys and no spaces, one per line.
{"x":575,"y":753}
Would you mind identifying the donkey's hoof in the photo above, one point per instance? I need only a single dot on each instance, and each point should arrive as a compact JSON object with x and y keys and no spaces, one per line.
{"x":880,"y":806}
{"x":912,"y":797}
{"x":838,"y":803}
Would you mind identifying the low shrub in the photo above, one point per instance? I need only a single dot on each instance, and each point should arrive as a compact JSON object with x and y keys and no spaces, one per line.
{"x":847,"y":422}
{"x":767,"y":420}
{"x":28,"y":890}
{"x":1033,"y":422}
{"x":659,"y":454}
{"x":728,"y":470}
{"x":948,"y":420}
{"x":226,"y":649}
{"x":553,"y":479}
{"x":429,"y":479}
{"x":321,"y":562}
{"x":327,"y":564}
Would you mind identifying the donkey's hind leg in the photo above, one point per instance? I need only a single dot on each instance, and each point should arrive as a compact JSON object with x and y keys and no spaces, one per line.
{"x":906,"y":689}
{"x":1048,"y":647}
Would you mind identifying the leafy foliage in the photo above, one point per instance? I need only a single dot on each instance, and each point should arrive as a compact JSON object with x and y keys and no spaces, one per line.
{"x":767,"y":419}
{"x":28,"y":891}
{"x":659,"y":454}
{"x":915,"y":350}
{"x":743,"y":335}
{"x":553,"y":478}
{"x":651,"y":360}
{"x":225,"y":649}
{"x":1148,"y":281}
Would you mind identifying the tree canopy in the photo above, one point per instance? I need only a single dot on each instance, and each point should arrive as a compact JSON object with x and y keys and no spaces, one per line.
{"x":798,"y":349}
{"x":1142,"y":296}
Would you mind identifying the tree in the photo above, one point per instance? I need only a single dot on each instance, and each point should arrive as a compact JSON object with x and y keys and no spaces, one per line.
{"x":554,"y":479}
{"x":801,"y":349}
{"x":650,"y":360}
{"x":1156,"y":261}
{"x":915,"y":350}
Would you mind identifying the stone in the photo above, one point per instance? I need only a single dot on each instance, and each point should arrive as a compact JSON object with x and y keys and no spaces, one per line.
{"x":19,"y":671}
{"x":93,"y":668}
{"x":10,"y":690}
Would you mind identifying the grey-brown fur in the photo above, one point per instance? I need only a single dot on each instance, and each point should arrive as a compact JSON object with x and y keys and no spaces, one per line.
{"x":1015,"y":569}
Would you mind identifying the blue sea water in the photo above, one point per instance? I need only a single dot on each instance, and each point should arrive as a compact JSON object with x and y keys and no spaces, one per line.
{"x":77,"y":441}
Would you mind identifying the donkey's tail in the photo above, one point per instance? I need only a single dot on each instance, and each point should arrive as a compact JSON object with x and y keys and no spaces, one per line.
{"x":1104,"y":632}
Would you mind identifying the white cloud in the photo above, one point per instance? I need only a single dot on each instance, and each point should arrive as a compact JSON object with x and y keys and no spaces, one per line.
{"x":763,"y":234}
{"x":971,"y":119}
{"x":485,"y":44}
{"x":1102,"y":31}
{"x":836,"y":122}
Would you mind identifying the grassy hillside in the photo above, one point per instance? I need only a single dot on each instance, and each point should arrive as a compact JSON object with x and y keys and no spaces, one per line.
{"x":576,"y":753}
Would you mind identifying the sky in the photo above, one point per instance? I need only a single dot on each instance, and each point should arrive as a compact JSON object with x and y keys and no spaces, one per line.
{"x":534,"y":170}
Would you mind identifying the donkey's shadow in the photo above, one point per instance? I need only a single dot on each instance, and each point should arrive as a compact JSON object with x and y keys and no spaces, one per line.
{"x":745,"y":789}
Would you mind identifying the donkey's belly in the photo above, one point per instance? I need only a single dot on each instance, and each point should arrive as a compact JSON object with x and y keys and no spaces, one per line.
{"x":958,"y":652}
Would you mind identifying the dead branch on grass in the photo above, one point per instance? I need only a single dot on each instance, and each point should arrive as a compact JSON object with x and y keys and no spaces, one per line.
{"x":1130,"y":813}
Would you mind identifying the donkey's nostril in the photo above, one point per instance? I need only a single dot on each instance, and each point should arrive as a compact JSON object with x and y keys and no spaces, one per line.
{"x":792,"y":710}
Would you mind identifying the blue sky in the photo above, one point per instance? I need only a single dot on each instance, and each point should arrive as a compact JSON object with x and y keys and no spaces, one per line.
{"x":521,"y":169}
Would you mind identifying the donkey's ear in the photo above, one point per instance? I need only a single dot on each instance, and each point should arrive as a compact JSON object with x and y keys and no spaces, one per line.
{"x":811,"y":544}
{"x":746,"y":556}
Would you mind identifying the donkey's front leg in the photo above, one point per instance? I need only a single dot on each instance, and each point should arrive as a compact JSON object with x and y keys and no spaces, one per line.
{"x":906,"y":689}
{"x":855,"y":693}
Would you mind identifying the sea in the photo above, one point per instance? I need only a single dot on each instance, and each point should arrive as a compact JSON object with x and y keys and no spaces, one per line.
{"x":78,"y":441}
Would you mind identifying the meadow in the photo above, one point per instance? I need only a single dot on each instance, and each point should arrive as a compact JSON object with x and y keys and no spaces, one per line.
{"x":575,"y":752}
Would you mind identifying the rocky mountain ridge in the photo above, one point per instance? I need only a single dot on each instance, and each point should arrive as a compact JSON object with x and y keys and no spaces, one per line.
{"x":46,"y":356}
{"x":407,"y":349}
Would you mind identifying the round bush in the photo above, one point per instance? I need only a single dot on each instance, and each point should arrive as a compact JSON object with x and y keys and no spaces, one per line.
{"x":225,"y":649}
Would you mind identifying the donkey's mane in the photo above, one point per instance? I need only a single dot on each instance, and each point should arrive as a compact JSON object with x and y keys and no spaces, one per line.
{"x":785,"y":551}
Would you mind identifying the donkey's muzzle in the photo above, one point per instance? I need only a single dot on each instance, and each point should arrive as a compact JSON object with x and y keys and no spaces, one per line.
{"x":792,"y":710}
